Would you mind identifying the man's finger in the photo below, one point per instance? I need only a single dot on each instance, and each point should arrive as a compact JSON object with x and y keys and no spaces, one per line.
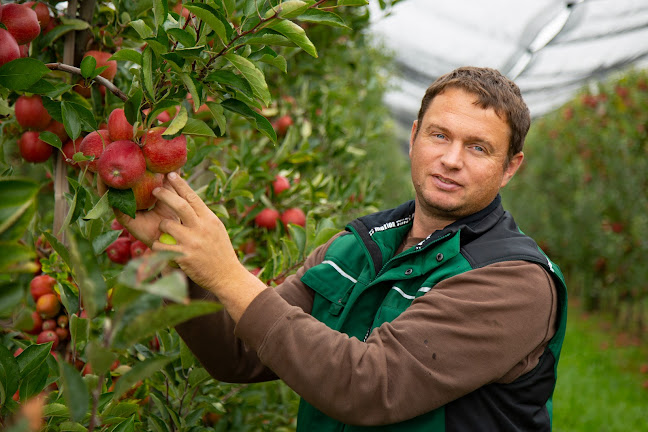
{"x":179,"y":205}
{"x":184,"y":190}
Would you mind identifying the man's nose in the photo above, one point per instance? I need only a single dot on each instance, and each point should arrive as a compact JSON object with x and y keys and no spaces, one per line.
{"x":452,"y":157}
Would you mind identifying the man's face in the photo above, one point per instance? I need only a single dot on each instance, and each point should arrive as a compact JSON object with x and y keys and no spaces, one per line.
{"x":459,"y":156}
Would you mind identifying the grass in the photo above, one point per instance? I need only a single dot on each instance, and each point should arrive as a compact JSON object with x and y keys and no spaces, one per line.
{"x":600,"y":386}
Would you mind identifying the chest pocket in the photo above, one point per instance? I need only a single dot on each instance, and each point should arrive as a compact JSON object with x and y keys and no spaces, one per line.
{"x":333,"y":285}
{"x":396,"y":301}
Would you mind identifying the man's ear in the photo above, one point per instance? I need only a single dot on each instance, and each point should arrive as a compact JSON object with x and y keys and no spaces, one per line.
{"x":511,"y":168}
{"x":412,"y":136}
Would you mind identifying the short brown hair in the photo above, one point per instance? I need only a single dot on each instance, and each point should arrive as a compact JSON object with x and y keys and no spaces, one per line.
{"x":493,"y":90}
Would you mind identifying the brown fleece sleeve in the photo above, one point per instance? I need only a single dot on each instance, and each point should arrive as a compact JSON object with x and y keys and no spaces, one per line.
{"x":483,"y":326}
{"x":211,"y":337}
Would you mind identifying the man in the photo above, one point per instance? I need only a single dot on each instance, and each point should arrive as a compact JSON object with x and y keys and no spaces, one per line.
{"x":437,"y":315}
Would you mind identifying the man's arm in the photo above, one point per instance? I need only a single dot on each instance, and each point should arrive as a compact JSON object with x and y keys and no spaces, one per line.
{"x":483,"y":326}
{"x":211,"y":337}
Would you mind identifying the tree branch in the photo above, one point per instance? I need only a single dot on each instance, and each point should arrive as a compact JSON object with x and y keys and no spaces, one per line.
{"x":101,"y":80}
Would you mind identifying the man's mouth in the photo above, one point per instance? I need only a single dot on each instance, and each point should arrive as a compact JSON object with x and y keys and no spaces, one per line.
{"x":446,"y":180}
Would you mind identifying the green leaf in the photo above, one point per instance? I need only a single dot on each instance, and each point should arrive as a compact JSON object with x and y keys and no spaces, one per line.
{"x":88,"y":66}
{"x":298,"y":235}
{"x":178,"y":122}
{"x":296,"y":34}
{"x":32,"y":357}
{"x":51,"y":139}
{"x":269,"y":56}
{"x":353,"y":2}
{"x":230,"y":79}
{"x":142,"y":29}
{"x":187,"y":359}
{"x":55,"y":410}
{"x":100,"y":358}
{"x":127,"y":54}
{"x":102,"y":241}
{"x":101,"y":209}
{"x":69,"y":299}
{"x":147,"y":72}
{"x":159,"y":108}
{"x":217,"y":112}
{"x":160,"y":11}
{"x":267,"y":37}
{"x":209,"y":16}
{"x":34,"y":383}
{"x":68,"y":426}
{"x":79,"y":329}
{"x":229,"y":6}
{"x":59,"y":248}
{"x":61,"y":30}
{"x":9,"y":374}
{"x":76,"y":393}
{"x":139,"y":372}
{"x":172,"y":286}
{"x":16,"y":258}
{"x":197,"y":128}
{"x":288,"y":9}
{"x":76,"y":118}
{"x":132,"y":106}
{"x":182,"y":36}
{"x":123,"y":200}
{"x":260,"y":123}
{"x":88,"y":275}
{"x":11,"y":295}
{"x":22,"y":73}
{"x":43,"y":87}
{"x":320,"y":16}
{"x":145,"y":324}
{"x":17,"y":195}
{"x":192,"y":89}
{"x":253,"y":75}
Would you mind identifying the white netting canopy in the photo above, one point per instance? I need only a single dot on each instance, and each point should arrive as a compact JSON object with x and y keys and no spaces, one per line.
{"x":550,"y":48}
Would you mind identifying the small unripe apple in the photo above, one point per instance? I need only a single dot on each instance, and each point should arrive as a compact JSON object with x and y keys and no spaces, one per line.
{"x":293,"y":216}
{"x":62,"y":321}
{"x":118,"y":127}
{"x":41,"y":285}
{"x":31,"y":114}
{"x":21,"y":21}
{"x":119,"y":251}
{"x":48,"y":305}
{"x":94,"y":144}
{"x":267,"y":218}
{"x":162,"y":155}
{"x":166,"y":238}
{"x":33,"y":149}
{"x":121,"y":165}
{"x":143,"y":190}
{"x":102,"y":60}
{"x":9,"y":49}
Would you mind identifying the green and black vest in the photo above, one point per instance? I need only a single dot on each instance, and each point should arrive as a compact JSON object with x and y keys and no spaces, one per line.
{"x":355,"y":293}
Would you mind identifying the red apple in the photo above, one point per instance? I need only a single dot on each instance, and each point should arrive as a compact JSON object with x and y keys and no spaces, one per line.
{"x":48,"y":305}
{"x":41,"y":285}
{"x":48,"y":336}
{"x":143,"y":189}
{"x":138,"y":248}
{"x":33,"y":149}
{"x":280,"y":184}
{"x":293,"y":216}
{"x":122,"y":165}
{"x":70,"y":148}
{"x":18,"y":351}
{"x":49,"y":324}
{"x":267,"y":218}
{"x":62,"y":333}
{"x":31,"y":114}
{"x":42,"y":12}
{"x":62,"y":321}
{"x":58,"y":129}
{"x":94,"y":144}
{"x":9,"y":49}
{"x":102,"y":60}
{"x":282,"y":124}
{"x":162,"y":155}
{"x":118,"y":127}
{"x":21,"y":21}
{"x":119,"y":250}
{"x":37,"y":323}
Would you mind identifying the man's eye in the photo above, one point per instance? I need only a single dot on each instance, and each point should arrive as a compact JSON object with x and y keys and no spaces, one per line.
{"x":479,"y":148}
{"x":440,"y":136}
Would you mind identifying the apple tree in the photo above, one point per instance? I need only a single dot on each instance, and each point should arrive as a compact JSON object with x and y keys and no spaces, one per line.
{"x":269,"y":109}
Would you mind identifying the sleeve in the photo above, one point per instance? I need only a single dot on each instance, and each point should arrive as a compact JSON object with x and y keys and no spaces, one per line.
{"x":470,"y":330}
{"x":211,"y":337}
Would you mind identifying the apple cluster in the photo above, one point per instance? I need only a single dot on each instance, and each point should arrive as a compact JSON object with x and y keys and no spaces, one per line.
{"x":268,"y":217}
{"x":126,"y":247}
{"x":23,"y":23}
{"x":50,"y":321}
{"x":123,"y":163}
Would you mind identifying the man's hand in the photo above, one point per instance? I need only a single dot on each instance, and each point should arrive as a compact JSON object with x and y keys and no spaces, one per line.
{"x":207,"y":255}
